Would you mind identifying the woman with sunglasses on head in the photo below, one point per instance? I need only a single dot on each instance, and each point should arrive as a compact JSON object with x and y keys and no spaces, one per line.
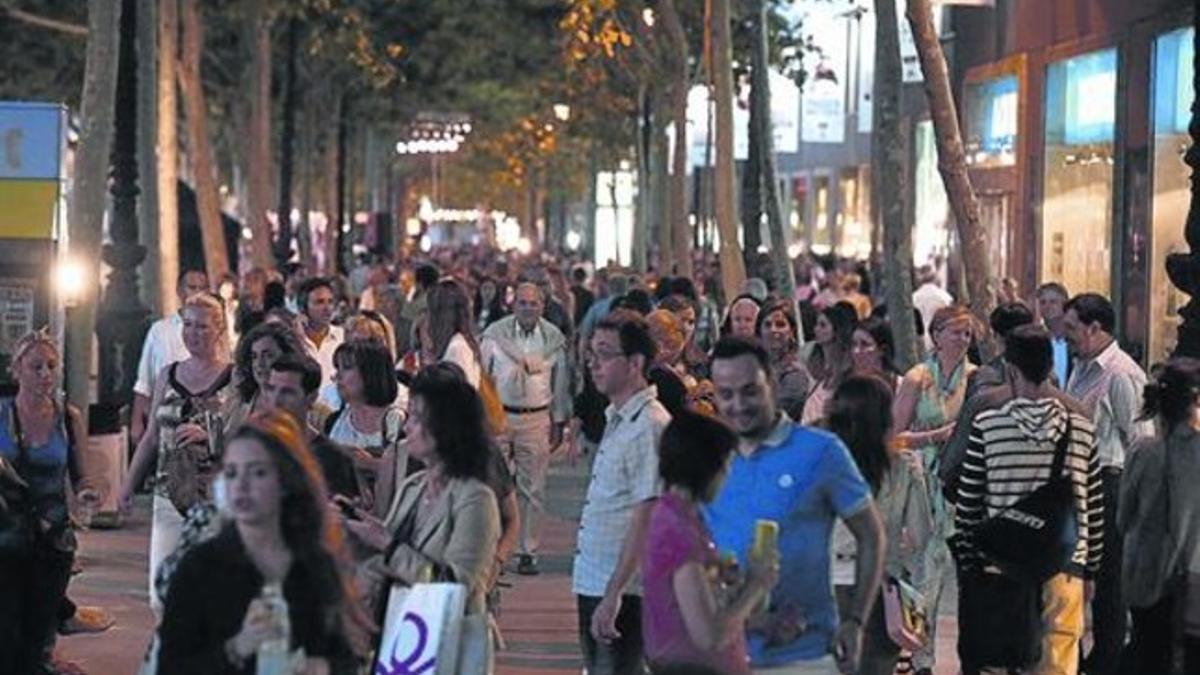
{"x":182,"y":443}
{"x":279,"y":534}
{"x":39,"y":435}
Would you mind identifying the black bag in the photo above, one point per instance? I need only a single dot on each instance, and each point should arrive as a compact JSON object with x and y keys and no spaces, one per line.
{"x":1000,"y":621}
{"x":1035,"y":538}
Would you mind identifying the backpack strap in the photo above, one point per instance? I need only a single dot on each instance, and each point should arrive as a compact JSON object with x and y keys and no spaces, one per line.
{"x":1060,"y":450}
{"x":330,"y":421}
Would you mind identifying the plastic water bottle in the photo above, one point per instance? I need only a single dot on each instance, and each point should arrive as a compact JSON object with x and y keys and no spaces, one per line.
{"x":274,"y":656}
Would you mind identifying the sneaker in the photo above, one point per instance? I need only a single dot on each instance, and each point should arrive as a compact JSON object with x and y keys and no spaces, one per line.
{"x":527,"y":565}
{"x":87,"y":619}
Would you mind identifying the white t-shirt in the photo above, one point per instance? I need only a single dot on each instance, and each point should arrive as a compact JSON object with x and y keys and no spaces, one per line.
{"x":459,"y":352}
{"x":163,"y":346}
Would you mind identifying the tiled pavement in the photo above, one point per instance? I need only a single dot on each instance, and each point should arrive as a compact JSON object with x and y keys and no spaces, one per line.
{"x":538,"y":616}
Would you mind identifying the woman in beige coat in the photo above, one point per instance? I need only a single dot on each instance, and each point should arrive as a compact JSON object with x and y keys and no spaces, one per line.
{"x":443,"y":518}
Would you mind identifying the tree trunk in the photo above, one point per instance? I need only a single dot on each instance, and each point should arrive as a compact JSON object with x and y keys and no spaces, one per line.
{"x":147,"y":132}
{"x":785,"y":275}
{"x":283,"y":245}
{"x":677,"y":215}
{"x":340,"y":242}
{"x":733,"y":269}
{"x":889,"y":183}
{"x":208,"y":200}
{"x":952,"y":160}
{"x":89,"y":196}
{"x":661,"y":197}
{"x":308,"y":157}
{"x":258,"y":154}
{"x":641,"y":210}
{"x":589,"y":218}
{"x":752,"y":207}
{"x":166,"y":147}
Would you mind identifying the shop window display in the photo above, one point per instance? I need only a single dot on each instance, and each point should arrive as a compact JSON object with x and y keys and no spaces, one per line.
{"x":1077,"y":195}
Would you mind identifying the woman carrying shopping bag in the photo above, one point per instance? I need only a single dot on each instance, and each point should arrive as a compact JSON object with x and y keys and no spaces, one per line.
{"x":443,"y":518}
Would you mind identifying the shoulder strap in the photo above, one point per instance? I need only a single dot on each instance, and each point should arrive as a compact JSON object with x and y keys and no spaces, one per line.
{"x":332,"y":419}
{"x":1060,"y":450}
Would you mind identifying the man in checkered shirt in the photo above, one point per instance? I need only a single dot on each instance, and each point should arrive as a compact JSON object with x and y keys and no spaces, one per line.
{"x":623,"y":487}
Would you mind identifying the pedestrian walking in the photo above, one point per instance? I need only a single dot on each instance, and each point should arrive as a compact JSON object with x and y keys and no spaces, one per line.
{"x":860,"y":413}
{"x":280,"y":533}
{"x":803,"y":479}
{"x":693,"y":613}
{"x":873,"y":351}
{"x":1013,"y":451}
{"x":623,"y":485}
{"x":181,"y":444}
{"x":448,"y":333}
{"x":1108,"y":383}
{"x":830,"y":360}
{"x":926,"y":406}
{"x":778,"y":330}
{"x":1159,"y":520}
{"x":41,"y":438}
{"x":256,"y":351}
{"x":526,"y":356}
{"x":320,"y":337}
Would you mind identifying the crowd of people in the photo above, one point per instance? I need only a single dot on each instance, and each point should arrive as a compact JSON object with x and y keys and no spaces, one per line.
{"x":768,"y":492}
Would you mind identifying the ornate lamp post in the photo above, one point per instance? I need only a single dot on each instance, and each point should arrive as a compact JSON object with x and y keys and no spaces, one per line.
{"x":1184,"y":268}
{"x":121,"y":325}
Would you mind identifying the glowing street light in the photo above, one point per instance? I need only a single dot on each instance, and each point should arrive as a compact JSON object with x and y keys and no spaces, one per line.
{"x":648,"y":17}
{"x":562,"y":112}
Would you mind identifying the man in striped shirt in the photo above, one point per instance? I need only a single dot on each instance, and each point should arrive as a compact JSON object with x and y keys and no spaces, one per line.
{"x":1009,"y":455}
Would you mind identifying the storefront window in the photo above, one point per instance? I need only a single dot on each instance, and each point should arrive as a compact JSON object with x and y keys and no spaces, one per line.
{"x":1172,"y":100}
{"x":991,"y":122}
{"x":931,"y":234}
{"x":1078,"y":176}
{"x":854,"y":228}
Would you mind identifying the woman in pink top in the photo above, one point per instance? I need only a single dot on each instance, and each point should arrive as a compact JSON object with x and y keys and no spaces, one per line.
{"x":689,"y":616}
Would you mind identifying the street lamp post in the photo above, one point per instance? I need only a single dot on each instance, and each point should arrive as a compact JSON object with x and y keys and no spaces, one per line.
{"x":122,"y":321}
{"x":1184,"y":268}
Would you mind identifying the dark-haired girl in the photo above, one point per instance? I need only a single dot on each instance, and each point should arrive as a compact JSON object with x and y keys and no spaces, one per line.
{"x":280,"y":531}
{"x":860,"y":413}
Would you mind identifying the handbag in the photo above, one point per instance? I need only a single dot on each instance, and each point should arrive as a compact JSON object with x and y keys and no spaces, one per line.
{"x":1035,"y":538}
{"x":423,"y":630}
{"x":1000,"y":621}
{"x":904,"y":614}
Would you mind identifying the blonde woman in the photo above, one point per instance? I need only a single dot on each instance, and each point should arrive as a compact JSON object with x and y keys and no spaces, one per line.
{"x":182,"y":443}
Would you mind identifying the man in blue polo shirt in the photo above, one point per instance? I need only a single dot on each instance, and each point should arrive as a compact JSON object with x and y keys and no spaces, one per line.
{"x":803,"y":479}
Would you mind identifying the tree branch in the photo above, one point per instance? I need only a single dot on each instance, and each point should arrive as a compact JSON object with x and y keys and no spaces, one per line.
{"x":45,"y":22}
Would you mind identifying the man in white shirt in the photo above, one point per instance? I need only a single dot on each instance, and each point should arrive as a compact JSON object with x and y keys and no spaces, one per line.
{"x":321,"y":339}
{"x":163,"y":346}
{"x":1051,"y":304}
{"x":929,"y":298}
{"x":624,"y":485}
{"x":526,"y":356}
{"x":1108,"y":383}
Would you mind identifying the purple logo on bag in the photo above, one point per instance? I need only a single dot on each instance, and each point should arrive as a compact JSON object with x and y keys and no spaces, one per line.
{"x":408,"y":666}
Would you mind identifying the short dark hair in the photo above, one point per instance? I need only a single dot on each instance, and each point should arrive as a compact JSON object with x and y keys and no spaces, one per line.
{"x":1028,"y":348}
{"x":633,"y":333}
{"x":308,"y":286}
{"x":1008,"y":316}
{"x":692,"y":451}
{"x":579,"y":274}
{"x":733,"y":346}
{"x":426,"y":275}
{"x":1093,"y":308}
{"x":636,"y":300}
{"x":304,"y":366}
{"x":454,"y":416}
{"x":179,"y":282}
{"x":374,"y":364}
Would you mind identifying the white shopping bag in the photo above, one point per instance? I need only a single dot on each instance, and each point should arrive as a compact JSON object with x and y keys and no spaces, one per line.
{"x":422,"y":630}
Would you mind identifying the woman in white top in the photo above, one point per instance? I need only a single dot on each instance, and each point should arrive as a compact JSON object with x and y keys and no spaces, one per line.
{"x":369,"y":423}
{"x":450,"y":325}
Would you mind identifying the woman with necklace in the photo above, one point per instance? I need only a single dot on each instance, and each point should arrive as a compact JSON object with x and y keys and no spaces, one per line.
{"x":38,"y":436}
{"x":182,"y":441}
{"x":926,"y":405}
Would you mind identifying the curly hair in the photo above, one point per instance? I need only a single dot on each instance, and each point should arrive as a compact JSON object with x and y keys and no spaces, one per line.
{"x":285,"y":338}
